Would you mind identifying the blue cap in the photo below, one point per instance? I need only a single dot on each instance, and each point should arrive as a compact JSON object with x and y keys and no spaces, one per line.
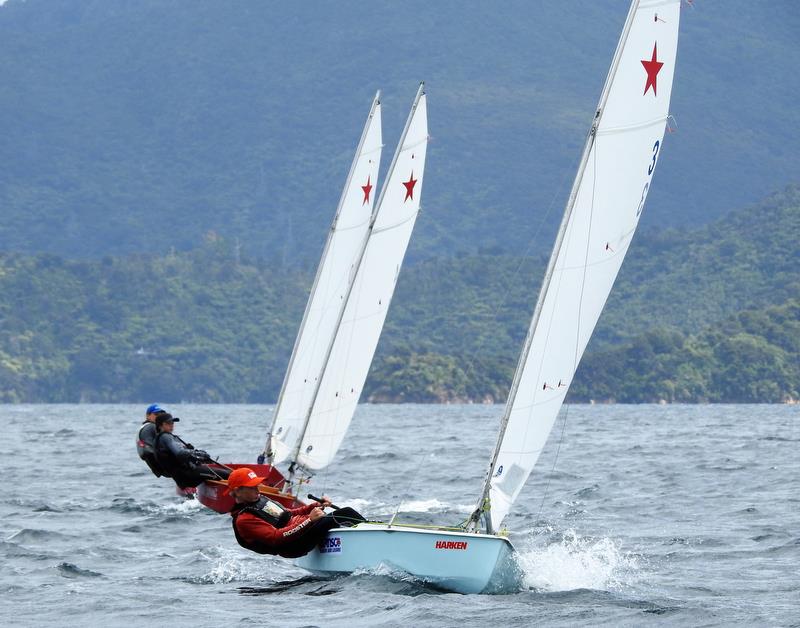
{"x":153,"y":408}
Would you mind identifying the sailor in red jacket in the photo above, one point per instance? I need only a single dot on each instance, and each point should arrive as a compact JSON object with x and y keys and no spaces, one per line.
{"x":266,"y":527}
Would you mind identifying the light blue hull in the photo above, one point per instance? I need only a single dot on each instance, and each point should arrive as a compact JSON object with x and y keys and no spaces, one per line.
{"x":457,"y":561}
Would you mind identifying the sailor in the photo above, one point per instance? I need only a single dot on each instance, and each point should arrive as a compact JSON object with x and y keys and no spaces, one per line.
{"x":145,"y":440}
{"x":264,"y":526}
{"x":178,"y":459}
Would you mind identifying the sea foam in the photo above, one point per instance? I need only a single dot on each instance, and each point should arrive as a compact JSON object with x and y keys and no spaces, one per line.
{"x":576,"y":562}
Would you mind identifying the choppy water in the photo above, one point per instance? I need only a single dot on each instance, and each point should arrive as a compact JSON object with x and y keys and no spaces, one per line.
{"x":681,"y":515}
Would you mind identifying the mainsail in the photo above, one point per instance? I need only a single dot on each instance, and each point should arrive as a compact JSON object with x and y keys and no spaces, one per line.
{"x":325,"y":303}
{"x":601,"y":216}
{"x":368,"y":300}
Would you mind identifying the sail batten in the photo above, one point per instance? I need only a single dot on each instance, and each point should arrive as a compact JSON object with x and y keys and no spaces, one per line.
{"x":632,"y":127}
{"x":604,"y":207}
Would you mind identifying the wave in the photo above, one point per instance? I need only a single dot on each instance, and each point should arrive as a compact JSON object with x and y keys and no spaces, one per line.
{"x":227,"y":565}
{"x":68,"y":570}
{"x":130,"y":505}
{"x":384,"y":509}
{"x":10,"y":550}
{"x":187,"y":506}
{"x":37,"y":535}
{"x":389,"y":579}
{"x":433,"y":505}
{"x":588,"y":490}
{"x":288,"y":585}
{"x":576,"y":562}
{"x":383,"y":456}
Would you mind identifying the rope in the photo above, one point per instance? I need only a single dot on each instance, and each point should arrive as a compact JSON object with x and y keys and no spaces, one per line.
{"x":578,"y":331}
{"x":472,"y":359}
{"x":421,"y":526}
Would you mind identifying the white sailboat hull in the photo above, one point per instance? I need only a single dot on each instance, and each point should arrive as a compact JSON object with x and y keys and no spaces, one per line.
{"x":457,"y":561}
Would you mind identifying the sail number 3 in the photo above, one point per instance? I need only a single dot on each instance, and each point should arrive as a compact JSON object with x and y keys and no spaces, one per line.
{"x":650,"y":169}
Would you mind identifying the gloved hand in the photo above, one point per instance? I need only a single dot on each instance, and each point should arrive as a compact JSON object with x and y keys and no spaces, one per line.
{"x":198,"y":457}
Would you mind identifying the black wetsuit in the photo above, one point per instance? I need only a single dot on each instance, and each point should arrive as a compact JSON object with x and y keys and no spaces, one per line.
{"x":145,"y":447}
{"x":178,"y":460}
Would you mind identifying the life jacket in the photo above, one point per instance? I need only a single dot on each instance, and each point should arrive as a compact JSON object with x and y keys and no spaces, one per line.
{"x":145,"y":449}
{"x":266,"y":510}
{"x":164,"y":458}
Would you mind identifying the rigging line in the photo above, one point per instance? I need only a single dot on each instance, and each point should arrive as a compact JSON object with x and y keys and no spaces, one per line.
{"x":357,"y":292}
{"x":414,"y":474}
{"x":470,"y":363}
{"x":472,"y":359}
{"x":578,"y":330}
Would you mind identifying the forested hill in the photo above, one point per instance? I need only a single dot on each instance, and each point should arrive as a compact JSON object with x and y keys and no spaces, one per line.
{"x":753,"y":356}
{"x":703,"y":315}
{"x":136,"y":126}
{"x":678,"y":279}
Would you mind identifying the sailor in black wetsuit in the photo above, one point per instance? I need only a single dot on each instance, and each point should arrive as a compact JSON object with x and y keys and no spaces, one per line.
{"x":179,"y":460}
{"x":146,"y":439}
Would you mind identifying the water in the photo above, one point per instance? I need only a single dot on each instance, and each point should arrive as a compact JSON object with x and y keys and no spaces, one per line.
{"x":685,"y":515}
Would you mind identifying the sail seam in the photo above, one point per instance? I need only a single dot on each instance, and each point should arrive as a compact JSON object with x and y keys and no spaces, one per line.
{"x":372,"y":150}
{"x":408,"y":147}
{"x":351,"y":227}
{"x":632,"y":127}
{"x":395,"y":225}
{"x":600,"y":262}
{"x":650,"y":4}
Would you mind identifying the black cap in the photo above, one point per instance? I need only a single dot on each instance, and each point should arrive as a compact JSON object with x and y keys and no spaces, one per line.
{"x":166,"y":417}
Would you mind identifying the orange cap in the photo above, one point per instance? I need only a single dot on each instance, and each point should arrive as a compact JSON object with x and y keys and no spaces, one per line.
{"x":242,"y":477}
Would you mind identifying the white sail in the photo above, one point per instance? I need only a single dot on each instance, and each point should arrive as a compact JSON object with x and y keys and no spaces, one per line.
{"x":601,"y":216}
{"x":368,"y":301}
{"x":326,"y":301}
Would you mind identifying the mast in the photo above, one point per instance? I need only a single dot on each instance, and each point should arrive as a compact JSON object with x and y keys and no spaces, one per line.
{"x":483,"y":504}
{"x":268,"y":453}
{"x":353,"y":276}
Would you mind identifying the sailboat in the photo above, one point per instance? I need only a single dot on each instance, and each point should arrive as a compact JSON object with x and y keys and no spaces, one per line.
{"x":313,"y":415}
{"x":603,"y":209}
{"x":345,"y":311}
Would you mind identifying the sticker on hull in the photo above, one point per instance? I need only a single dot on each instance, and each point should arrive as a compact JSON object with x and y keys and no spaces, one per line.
{"x":331,"y":545}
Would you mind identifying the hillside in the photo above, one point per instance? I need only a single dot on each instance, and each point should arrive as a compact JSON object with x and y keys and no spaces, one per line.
{"x":192,"y":326}
{"x":134,"y":124}
{"x":753,"y":357}
{"x":214,"y":325}
{"x":678,"y":279}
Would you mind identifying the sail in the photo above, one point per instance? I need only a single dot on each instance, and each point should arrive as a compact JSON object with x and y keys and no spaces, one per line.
{"x":600,"y":219}
{"x":368,"y":302}
{"x":323,"y":310}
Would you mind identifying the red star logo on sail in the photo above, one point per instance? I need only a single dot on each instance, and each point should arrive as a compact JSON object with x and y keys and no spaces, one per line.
{"x":652,"y":67}
{"x":367,"y":189}
{"x":410,"y":187}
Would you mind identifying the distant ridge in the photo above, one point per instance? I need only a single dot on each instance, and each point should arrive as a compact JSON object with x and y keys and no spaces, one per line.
{"x":134,"y":126}
{"x":214,"y":325}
